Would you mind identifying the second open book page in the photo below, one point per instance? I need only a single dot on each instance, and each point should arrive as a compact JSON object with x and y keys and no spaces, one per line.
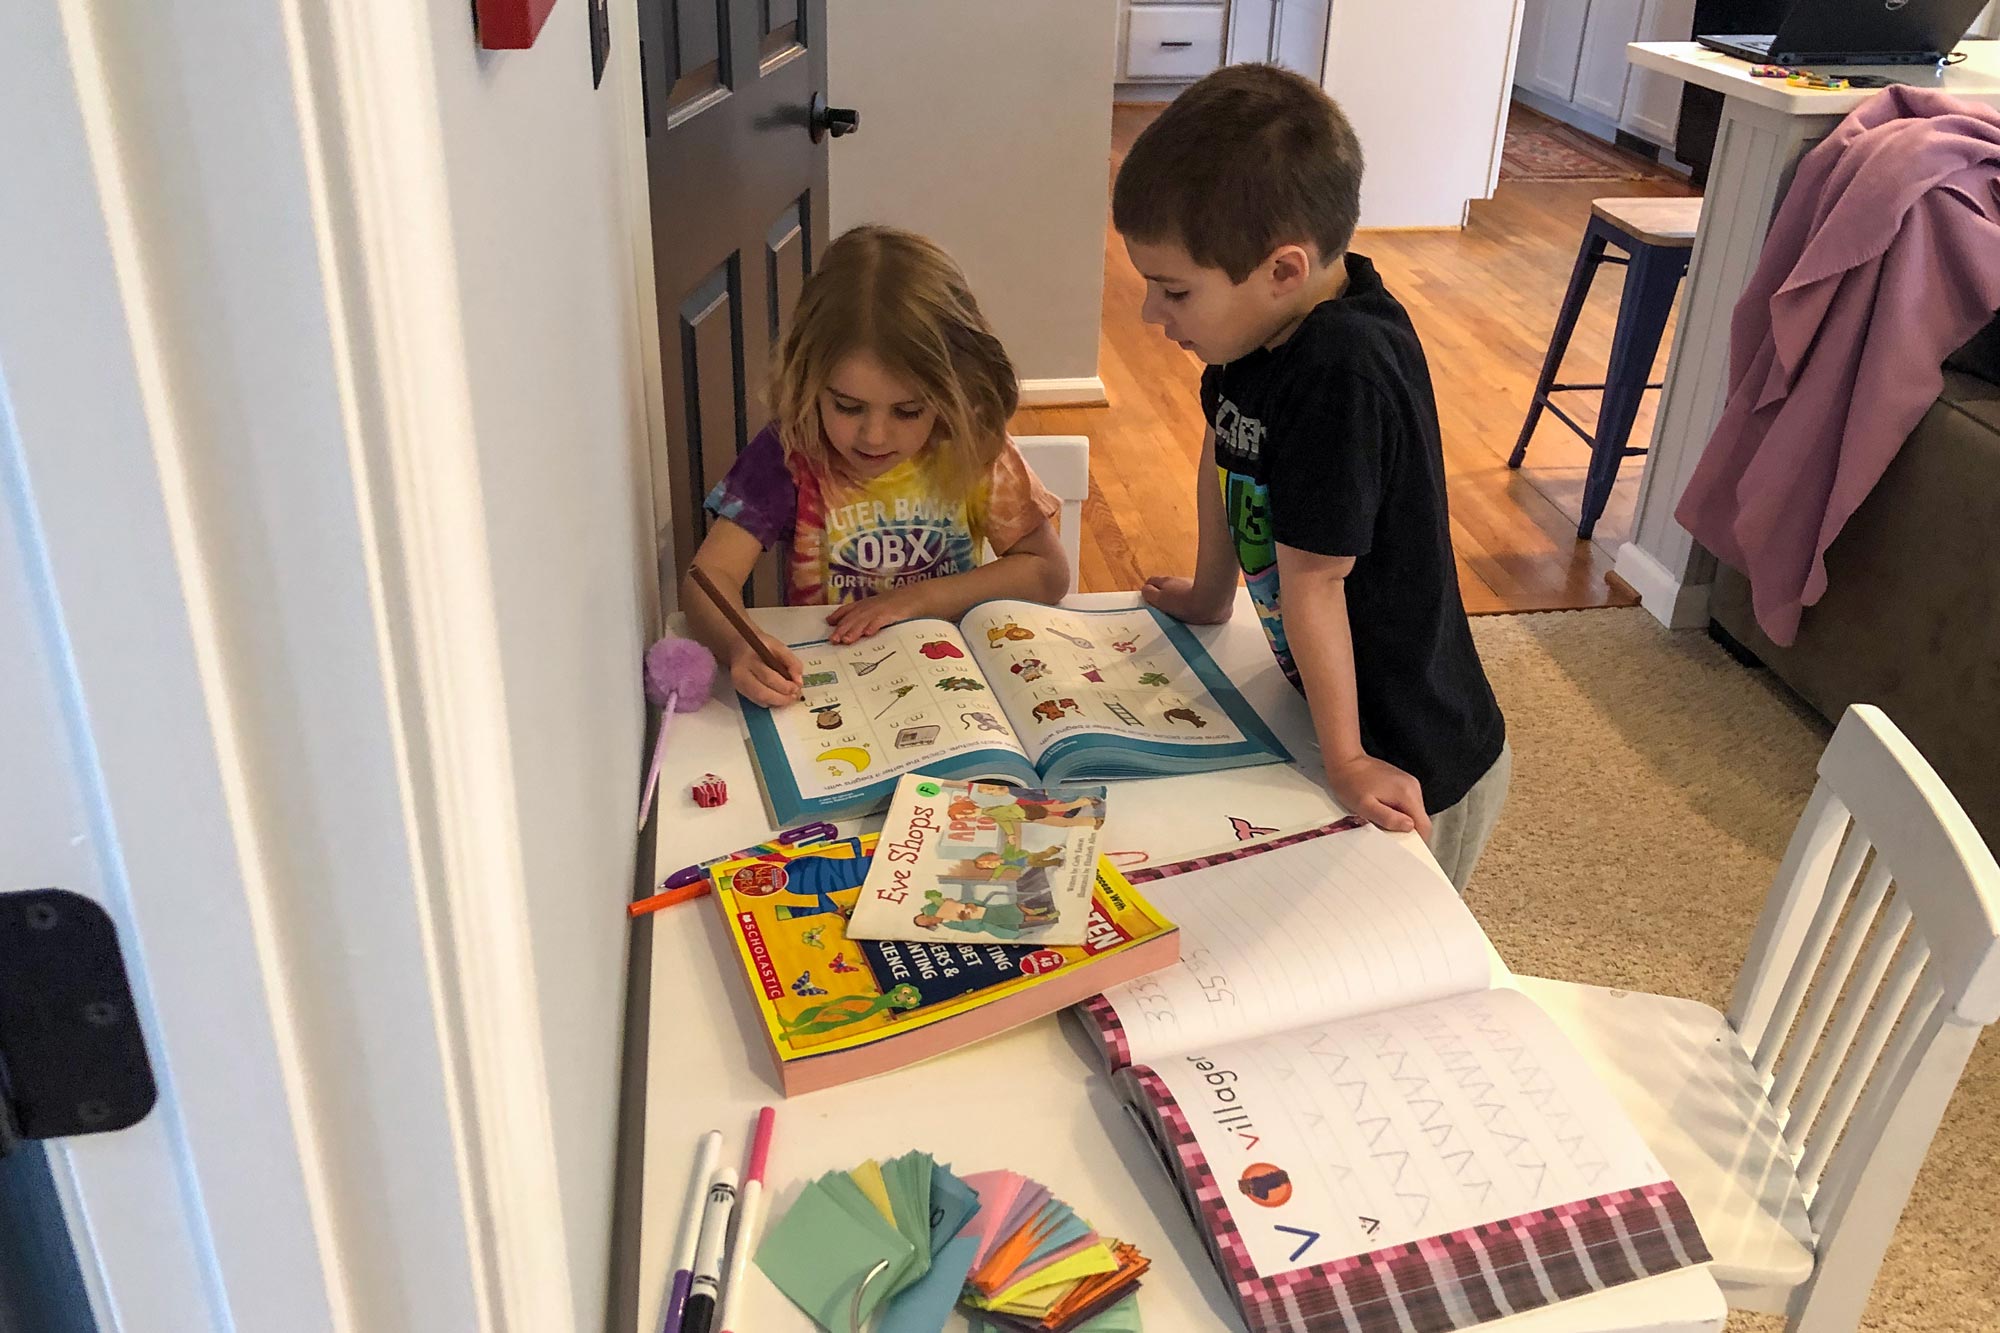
{"x":1330,"y":923}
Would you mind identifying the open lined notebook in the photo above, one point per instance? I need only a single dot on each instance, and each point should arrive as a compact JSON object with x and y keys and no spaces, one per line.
{"x":1367,"y":1133}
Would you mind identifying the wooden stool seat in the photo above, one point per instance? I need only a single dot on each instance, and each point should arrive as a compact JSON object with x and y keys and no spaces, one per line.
{"x":1664,"y":222}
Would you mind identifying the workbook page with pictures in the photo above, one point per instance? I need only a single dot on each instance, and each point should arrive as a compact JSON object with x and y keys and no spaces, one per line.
{"x":1027,"y":694}
{"x":1102,"y":694}
{"x":905,"y":700}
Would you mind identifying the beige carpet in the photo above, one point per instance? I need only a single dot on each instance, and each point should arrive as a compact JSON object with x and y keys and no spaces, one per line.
{"x":1656,"y":783}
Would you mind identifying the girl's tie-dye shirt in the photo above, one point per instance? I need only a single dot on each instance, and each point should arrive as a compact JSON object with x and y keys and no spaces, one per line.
{"x":853,"y":541}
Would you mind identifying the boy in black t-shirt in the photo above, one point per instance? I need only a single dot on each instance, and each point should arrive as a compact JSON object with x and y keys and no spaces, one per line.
{"x":1237,"y":205}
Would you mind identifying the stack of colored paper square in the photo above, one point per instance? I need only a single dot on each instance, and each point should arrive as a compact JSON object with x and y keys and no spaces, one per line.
{"x":1040,"y":1268}
{"x":901,"y":1242}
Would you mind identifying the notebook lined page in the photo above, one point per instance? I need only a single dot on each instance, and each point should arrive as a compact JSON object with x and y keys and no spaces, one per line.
{"x":1307,"y":929}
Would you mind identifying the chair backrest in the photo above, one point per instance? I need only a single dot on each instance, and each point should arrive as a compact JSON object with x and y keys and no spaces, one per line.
{"x":1860,"y":1060}
{"x":1063,"y":464}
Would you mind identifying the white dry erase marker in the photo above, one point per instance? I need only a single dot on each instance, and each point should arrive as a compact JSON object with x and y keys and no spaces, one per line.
{"x":706,"y":1154}
{"x":707,"y":1281}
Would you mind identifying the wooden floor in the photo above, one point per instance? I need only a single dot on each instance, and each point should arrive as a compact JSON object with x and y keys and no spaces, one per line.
{"x":1483,"y":299}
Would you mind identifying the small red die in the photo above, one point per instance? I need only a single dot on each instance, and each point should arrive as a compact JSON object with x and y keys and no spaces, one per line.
{"x":710,"y":792}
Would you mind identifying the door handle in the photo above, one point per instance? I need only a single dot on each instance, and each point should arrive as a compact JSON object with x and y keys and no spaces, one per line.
{"x":1176,"y":43}
{"x":833,"y":120}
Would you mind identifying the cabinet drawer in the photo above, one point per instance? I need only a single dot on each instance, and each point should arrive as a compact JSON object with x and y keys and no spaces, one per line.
{"x":1173,"y":41}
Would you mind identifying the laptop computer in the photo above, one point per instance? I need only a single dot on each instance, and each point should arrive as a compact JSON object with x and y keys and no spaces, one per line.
{"x":1856,"y":32}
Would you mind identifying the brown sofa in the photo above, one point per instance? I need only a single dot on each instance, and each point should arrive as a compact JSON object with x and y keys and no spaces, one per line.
{"x":1911,"y":616}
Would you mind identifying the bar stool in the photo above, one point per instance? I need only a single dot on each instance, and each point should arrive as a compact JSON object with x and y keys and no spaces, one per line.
{"x":1657,"y":236}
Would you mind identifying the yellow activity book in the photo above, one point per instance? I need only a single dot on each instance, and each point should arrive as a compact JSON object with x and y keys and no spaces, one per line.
{"x":835,"y":1009}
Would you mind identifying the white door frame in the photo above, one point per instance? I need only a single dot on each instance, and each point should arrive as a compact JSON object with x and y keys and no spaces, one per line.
{"x":240,"y":488}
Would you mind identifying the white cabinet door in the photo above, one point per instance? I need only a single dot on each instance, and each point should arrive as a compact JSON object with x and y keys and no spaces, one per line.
{"x":1534,"y":21}
{"x":1653,"y":100}
{"x":1602,"y":69}
{"x":1549,"y":65}
{"x":1299,"y":43}
{"x":1291,"y":33}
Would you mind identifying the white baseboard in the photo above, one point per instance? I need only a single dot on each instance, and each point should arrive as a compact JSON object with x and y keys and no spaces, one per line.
{"x":1086,"y":392}
{"x":1590,"y":122}
{"x":1673,"y":603}
{"x":1156,"y":93}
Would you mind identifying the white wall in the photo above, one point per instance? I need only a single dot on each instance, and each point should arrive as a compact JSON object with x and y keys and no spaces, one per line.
{"x":1425,"y":83}
{"x":552,"y":347}
{"x":986,"y":126}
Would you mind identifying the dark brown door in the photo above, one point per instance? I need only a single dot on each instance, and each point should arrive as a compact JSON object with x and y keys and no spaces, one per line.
{"x":738,"y":185}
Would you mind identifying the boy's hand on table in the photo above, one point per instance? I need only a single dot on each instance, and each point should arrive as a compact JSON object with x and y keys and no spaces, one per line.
{"x":758,"y":683}
{"x":1380,"y":793}
{"x":854,"y":621}
{"x":1176,"y":596}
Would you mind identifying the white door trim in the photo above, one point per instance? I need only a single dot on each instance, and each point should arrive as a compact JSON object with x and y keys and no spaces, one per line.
{"x":386,"y":219}
{"x":155,"y":804}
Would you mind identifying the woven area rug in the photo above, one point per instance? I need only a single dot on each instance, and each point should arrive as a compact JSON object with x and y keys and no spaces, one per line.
{"x":1540,"y":149}
{"x":1656,"y":783}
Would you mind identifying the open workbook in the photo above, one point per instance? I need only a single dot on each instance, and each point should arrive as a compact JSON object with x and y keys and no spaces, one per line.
{"x":1016,"y":691}
{"x":1367,"y":1133}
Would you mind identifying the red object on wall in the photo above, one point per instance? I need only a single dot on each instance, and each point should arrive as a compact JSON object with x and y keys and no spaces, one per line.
{"x":511,"y":25}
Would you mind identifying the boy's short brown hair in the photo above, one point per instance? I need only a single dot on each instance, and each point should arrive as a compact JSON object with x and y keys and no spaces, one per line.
{"x":1246,"y":160}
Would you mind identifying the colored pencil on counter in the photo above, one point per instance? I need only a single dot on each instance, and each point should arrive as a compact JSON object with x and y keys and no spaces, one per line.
{"x":749,"y":1218}
{"x":744,"y":629}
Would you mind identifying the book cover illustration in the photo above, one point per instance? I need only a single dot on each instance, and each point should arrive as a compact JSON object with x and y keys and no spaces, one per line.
{"x":983,"y":862}
{"x":818,"y":990}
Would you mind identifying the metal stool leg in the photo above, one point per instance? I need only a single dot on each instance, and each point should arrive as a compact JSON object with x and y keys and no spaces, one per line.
{"x":1651,"y":279}
{"x":1588,"y":257}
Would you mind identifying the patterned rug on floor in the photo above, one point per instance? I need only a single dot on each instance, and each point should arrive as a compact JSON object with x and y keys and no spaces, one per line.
{"x":1540,"y":149}
{"x":1656,"y":783}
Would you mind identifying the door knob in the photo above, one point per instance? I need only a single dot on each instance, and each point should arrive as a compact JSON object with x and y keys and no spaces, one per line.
{"x":834,"y":120}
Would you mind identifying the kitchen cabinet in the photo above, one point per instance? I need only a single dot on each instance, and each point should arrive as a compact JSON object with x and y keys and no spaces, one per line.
{"x":1572,"y":64}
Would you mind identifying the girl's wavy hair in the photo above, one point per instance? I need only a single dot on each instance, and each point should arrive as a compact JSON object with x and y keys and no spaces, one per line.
{"x":902,"y":298}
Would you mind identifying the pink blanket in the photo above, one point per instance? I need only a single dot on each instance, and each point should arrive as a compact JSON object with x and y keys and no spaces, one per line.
{"x":1883,"y":260}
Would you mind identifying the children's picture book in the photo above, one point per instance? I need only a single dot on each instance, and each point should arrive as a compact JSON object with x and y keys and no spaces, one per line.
{"x":1369,"y":1133}
{"x":982,"y":863}
{"x":836,"y":1009}
{"x":1016,"y":691}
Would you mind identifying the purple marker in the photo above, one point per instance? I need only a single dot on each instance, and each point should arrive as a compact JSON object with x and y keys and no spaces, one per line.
{"x":706,"y":1154}
{"x":804,"y":835}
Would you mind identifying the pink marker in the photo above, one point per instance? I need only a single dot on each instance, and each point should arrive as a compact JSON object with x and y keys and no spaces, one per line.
{"x":749,"y":1218}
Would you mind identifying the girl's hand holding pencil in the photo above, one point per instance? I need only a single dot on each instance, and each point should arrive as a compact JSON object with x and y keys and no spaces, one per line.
{"x":758,"y":682}
{"x":763,"y":670}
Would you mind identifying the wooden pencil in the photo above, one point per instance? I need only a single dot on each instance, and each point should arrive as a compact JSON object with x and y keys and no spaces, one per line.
{"x":736,"y":621}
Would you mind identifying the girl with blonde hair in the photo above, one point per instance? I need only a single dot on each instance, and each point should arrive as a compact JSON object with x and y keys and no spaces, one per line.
{"x":886,"y":467}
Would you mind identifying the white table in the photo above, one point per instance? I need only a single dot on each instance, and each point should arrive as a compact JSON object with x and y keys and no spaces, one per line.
{"x":1035,"y":1100}
{"x":1767,"y":125}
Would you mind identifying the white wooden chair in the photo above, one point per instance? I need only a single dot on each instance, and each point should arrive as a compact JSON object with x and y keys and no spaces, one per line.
{"x":1063,"y":464}
{"x":1795,"y":1126}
